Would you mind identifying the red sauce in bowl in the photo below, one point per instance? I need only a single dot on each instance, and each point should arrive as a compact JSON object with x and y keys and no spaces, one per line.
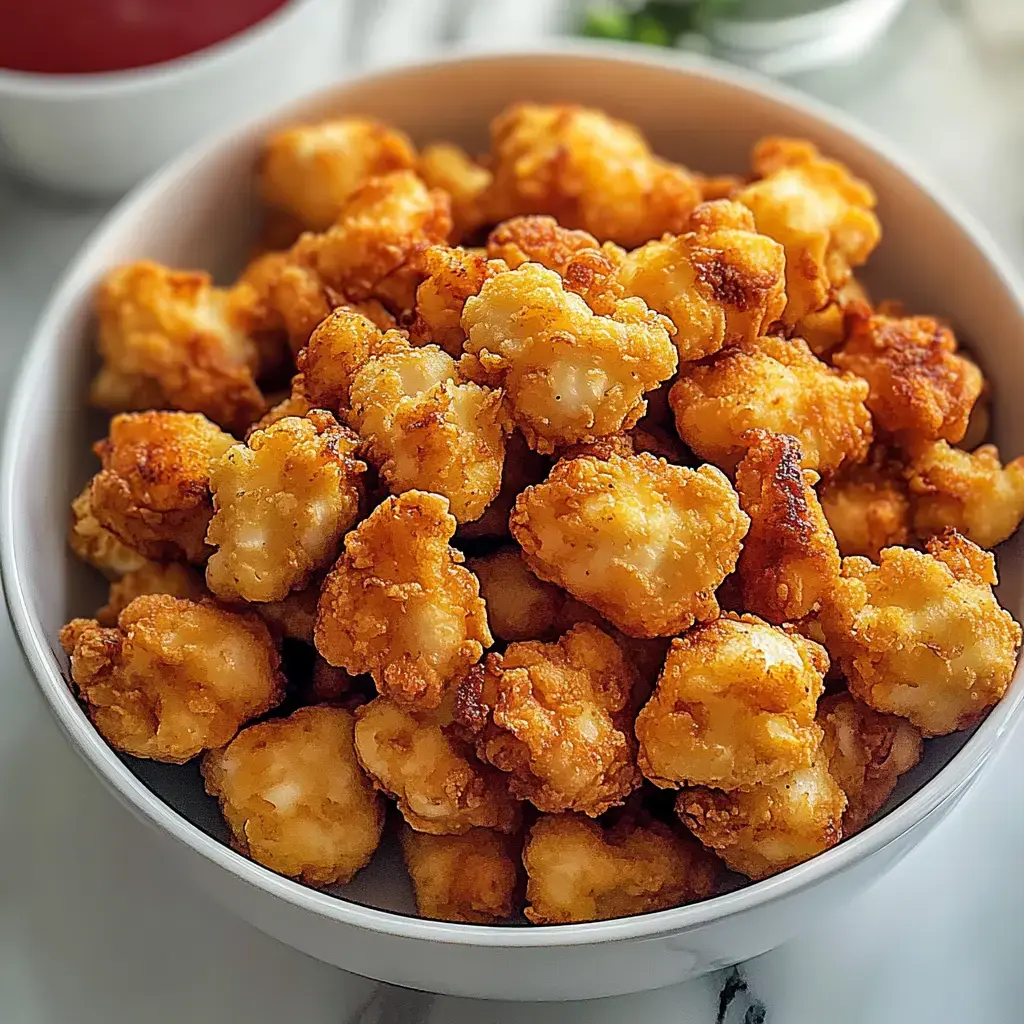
{"x":74,"y":37}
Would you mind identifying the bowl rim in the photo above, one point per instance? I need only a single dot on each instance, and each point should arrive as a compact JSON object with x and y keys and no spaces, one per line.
{"x":958,"y":772}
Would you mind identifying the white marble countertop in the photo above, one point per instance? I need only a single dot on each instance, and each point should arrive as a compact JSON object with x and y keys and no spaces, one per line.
{"x":94,"y":930}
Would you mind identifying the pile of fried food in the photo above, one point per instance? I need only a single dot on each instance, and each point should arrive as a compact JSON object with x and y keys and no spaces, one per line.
{"x":596,"y":647}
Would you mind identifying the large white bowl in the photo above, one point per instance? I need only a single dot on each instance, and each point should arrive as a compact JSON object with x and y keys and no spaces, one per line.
{"x":199,"y":212}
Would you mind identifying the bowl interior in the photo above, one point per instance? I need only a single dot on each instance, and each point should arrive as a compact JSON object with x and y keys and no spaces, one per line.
{"x":202,"y":214}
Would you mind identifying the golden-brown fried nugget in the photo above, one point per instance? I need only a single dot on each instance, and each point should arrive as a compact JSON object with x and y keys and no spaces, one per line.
{"x":97,"y":545}
{"x":867,"y":506}
{"x":777,"y":384}
{"x":920,"y":388}
{"x":452,"y":170}
{"x":818,"y":211}
{"x":151,"y":578}
{"x":578,"y":871}
{"x":472,"y":877}
{"x":568,"y":374}
{"x":770,"y":827}
{"x":295,"y":798}
{"x":556,"y":718}
{"x":734,"y":706}
{"x":789,"y":559}
{"x":400,"y":605}
{"x":643,"y":542}
{"x":867,"y":752}
{"x":921,"y":635}
{"x":310,"y":170}
{"x":295,"y":615}
{"x":440,"y":786}
{"x":537,"y":239}
{"x":169,"y":339}
{"x":427,"y":430}
{"x":174,"y":678}
{"x":827,"y":328}
{"x":153,"y":491}
{"x":587,"y":170}
{"x":973,"y":492}
{"x":719,"y":283}
{"x":282,"y":503}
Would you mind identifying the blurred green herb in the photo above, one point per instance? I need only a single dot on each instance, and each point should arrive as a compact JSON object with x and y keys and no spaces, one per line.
{"x":657,"y":22}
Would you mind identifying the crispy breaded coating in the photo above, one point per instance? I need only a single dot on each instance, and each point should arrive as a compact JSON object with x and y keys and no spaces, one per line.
{"x":472,"y":877}
{"x":151,"y":578}
{"x":827,"y":328}
{"x":867,"y":752}
{"x":973,"y":492}
{"x":169,"y":339}
{"x":175,"y":677}
{"x":294,"y":404}
{"x":97,"y":545}
{"x":519,"y":605}
{"x":282,"y":503}
{"x":643,"y":542}
{"x":295,"y":798}
{"x":427,"y":430}
{"x":921,"y":634}
{"x":720,"y":282}
{"x":818,"y":211}
{"x":400,"y":605}
{"x":294,"y":616}
{"x":309,"y":170}
{"x":578,"y":871}
{"x":537,"y":239}
{"x":777,"y":384}
{"x":451,"y":169}
{"x":867,"y":506}
{"x":556,"y":718}
{"x":920,"y":388}
{"x":734,"y":706}
{"x":588,"y":171}
{"x":439,"y":784}
{"x":769,"y":827}
{"x":153,"y":491}
{"x":568,"y":374}
{"x":789,"y":559}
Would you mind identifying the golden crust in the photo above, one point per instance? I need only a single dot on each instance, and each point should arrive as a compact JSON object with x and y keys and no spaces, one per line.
{"x":295,"y":798}
{"x":452,"y":170}
{"x":779,"y":385}
{"x":643,"y":542}
{"x":921,"y":634}
{"x":734,"y":706}
{"x":175,"y":677}
{"x":97,"y":545}
{"x":151,"y":578}
{"x":827,"y":328}
{"x":537,"y":239}
{"x":399,"y":604}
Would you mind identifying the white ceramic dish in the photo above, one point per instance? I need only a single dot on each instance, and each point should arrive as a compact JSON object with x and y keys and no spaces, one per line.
{"x":198,"y":212}
{"x":100,"y":134}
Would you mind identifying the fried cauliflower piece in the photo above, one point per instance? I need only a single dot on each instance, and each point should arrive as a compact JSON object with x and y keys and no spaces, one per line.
{"x":734,"y":706}
{"x":151,"y":578}
{"x":867,"y":752}
{"x":537,"y":239}
{"x":175,"y":677}
{"x":867,"y":506}
{"x":440,"y":786}
{"x":427,"y":430}
{"x":295,"y":798}
{"x":643,"y":542}
{"x":920,"y":388}
{"x":578,"y":871}
{"x":169,"y":339}
{"x":790,"y":558}
{"x":817,"y":210}
{"x":779,"y":385}
{"x":769,"y":827}
{"x":568,"y":374}
{"x":921,"y":636}
{"x":294,"y":616}
{"x":720,"y":282}
{"x":556,"y":718}
{"x":97,"y":545}
{"x":973,"y":492}
{"x":153,"y":491}
{"x":588,"y":171}
{"x":400,"y":605}
{"x":472,"y":877}
{"x":310,"y":170}
{"x":282,"y":503}
{"x":451,"y":169}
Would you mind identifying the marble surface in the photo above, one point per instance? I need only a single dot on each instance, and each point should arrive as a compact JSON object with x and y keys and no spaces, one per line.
{"x":94,"y":929}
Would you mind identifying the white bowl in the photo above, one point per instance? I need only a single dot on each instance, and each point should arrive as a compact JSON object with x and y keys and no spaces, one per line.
{"x":99,"y":134}
{"x":198,"y":212}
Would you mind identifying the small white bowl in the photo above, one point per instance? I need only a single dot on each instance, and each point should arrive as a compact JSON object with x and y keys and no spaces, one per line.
{"x":99,"y":134}
{"x":197,"y":213}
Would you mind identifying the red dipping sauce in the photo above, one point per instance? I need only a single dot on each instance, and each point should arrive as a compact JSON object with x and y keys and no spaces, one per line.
{"x":75,"y":37}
